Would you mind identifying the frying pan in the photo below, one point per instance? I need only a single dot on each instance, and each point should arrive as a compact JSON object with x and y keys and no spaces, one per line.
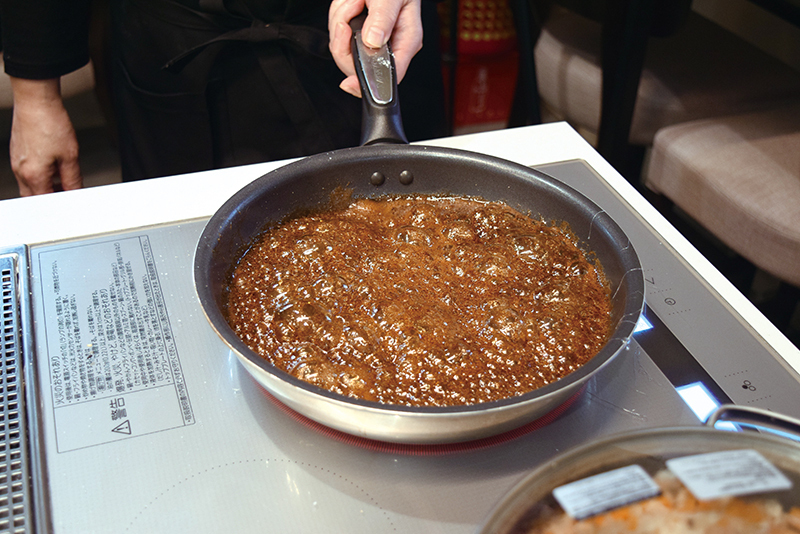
{"x":386,"y":165}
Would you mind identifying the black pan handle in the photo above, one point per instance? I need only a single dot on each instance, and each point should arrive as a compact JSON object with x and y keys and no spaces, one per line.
{"x":380,"y":119}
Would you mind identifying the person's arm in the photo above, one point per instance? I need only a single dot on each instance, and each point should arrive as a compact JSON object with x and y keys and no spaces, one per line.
{"x":43,"y":147}
{"x":398,"y":20}
{"x":42,"y":41}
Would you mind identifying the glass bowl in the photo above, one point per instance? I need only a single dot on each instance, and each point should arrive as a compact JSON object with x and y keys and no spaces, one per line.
{"x":532,"y":501}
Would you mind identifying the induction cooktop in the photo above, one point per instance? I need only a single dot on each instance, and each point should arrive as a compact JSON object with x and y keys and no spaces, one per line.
{"x":124,"y":412}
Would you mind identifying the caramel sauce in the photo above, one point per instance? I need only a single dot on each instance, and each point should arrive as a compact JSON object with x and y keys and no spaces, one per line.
{"x":421,"y":301}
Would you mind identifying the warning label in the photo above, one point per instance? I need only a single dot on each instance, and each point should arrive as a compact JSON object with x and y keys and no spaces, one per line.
{"x":112,"y":360}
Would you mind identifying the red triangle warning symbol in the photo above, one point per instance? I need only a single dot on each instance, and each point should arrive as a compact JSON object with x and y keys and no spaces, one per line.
{"x":123,"y":428}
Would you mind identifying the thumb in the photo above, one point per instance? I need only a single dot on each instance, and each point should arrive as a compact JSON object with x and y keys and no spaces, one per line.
{"x":380,"y":22}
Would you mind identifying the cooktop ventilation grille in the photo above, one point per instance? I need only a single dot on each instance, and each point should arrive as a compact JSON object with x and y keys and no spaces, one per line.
{"x":14,"y":482}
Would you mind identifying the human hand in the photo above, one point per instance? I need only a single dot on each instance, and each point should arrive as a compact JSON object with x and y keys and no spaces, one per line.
{"x":43,"y":147}
{"x":398,"y":20}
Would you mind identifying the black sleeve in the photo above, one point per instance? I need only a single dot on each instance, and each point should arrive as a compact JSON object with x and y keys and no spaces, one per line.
{"x":44,"y":39}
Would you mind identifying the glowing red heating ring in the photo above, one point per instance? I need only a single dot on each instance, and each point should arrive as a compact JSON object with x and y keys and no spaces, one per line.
{"x":426,"y":450}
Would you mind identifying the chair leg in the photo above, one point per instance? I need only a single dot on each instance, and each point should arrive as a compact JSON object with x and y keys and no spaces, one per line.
{"x":663,"y":204}
{"x":780,"y":309}
{"x":739,"y":271}
{"x":450,"y":62}
{"x":525,"y":109}
{"x":625,"y":33}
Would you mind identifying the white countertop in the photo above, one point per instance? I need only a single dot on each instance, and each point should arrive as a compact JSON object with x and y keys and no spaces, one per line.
{"x":122,"y":206}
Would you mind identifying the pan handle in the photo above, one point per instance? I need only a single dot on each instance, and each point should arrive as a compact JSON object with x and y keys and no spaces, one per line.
{"x":757,"y":417}
{"x":380,"y":120}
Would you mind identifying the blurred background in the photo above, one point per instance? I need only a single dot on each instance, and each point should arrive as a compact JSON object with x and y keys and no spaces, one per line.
{"x":508,"y":63}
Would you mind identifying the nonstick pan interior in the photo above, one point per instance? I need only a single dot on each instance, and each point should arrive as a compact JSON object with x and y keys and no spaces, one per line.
{"x":406,"y":169}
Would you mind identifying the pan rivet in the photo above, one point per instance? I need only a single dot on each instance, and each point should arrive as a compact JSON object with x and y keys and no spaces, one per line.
{"x":406,"y":177}
{"x":377,"y":178}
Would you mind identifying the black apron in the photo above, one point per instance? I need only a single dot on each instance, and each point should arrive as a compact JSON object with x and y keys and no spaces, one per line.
{"x":210,"y":87}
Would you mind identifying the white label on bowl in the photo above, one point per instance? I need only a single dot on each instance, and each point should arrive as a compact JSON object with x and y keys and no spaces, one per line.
{"x":728,"y":473}
{"x":606,"y":491}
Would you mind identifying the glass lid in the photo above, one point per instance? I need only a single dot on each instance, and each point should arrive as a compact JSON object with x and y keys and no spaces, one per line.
{"x":695,"y":479}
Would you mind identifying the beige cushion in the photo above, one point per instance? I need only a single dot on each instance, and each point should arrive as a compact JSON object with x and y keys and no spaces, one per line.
{"x":702,"y":71}
{"x":739,"y":177}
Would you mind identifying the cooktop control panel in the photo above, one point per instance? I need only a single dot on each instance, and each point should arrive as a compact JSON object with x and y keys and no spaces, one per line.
{"x":701,"y":326}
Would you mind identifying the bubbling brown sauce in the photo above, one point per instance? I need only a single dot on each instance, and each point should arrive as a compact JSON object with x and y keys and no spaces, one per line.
{"x":421,"y":301}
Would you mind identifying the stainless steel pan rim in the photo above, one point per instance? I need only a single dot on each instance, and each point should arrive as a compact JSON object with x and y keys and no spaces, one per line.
{"x":309,"y":182}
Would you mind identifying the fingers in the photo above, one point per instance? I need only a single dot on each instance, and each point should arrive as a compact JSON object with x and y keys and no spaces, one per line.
{"x":339,"y":16}
{"x":396,"y":20}
{"x":380,"y":22}
{"x":43,"y":147}
{"x":406,"y":31}
{"x":70,"y":174}
{"x":40,"y":176}
{"x":33,"y":180}
{"x":351,"y":85}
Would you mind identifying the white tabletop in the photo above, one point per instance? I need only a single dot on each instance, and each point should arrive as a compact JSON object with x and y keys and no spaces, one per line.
{"x":110,"y":208}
